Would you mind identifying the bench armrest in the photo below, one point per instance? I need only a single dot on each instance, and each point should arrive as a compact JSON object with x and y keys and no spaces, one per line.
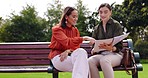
{"x":130,"y":44}
{"x":137,"y":61}
{"x":136,"y":57}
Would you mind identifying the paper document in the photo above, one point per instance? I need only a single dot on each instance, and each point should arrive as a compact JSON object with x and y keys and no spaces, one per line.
{"x":113,"y":40}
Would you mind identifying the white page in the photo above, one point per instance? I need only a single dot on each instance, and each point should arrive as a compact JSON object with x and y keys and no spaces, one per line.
{"x":119,"y":38}
{"x":108,"y":41}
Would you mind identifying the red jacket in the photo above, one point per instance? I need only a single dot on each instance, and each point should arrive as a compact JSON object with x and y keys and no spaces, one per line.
{"x":63,"y":39}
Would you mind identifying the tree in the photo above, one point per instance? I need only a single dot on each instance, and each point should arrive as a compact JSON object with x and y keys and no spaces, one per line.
{"x":136,"y":16}
{"x":24,"y":27}
{"x":54,"y":12}
{"x":1,"y":20}
{"x":132,"y":14}
{"x":93,"y":20}
{"x":83,"y":22}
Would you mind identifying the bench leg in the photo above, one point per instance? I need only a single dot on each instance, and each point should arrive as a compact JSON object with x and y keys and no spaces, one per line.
{"x":135,"y":75}
{"x":55,"y":75}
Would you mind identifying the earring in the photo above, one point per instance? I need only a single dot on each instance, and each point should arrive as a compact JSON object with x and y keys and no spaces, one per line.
{"x":66,"y":20}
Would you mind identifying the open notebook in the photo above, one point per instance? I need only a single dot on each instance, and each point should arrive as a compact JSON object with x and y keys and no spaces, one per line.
{"x":113,"y":40}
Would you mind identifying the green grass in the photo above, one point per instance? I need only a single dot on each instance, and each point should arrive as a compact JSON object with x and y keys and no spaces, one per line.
{"x":118,"y":74}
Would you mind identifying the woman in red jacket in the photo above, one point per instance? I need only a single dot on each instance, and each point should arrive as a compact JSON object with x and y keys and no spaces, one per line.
{"x":66,"y":54}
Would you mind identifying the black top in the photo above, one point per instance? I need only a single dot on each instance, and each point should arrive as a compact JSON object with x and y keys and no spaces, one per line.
{"x":113,"y":29}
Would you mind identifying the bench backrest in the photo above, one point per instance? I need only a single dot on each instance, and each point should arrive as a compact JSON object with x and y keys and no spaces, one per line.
{"x":24,"y":53}
{"x":30,"y":53}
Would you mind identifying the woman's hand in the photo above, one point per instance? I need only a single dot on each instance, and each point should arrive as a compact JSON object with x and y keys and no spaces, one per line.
{"x":108,"y":47}
{"x":92,"y":51}
{"x":92,"y":40}
{"x":64,"y":55}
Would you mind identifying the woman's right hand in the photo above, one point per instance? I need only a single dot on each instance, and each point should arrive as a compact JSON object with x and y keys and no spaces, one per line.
{"x":64,"y":55}
{"x":92,"y":40}
{"x":92,"y":51}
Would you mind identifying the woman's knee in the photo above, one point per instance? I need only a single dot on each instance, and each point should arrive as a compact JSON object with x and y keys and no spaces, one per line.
{"x":81,"y":51}
{"x":104,"y":61}
{"x":92,"y":61}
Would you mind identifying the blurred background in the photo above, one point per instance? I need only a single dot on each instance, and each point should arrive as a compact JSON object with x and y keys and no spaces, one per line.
{"x":32,"y":20}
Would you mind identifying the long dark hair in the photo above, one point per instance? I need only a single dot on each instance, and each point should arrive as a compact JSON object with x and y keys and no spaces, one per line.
{"x":105,"y":5}
{"x":67,"y":11}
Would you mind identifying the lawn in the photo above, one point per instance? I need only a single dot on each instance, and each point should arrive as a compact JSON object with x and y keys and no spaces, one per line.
{"x":118,"y":74}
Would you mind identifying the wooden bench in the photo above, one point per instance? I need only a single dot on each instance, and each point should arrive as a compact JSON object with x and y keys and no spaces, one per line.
{"x":33,"y":57}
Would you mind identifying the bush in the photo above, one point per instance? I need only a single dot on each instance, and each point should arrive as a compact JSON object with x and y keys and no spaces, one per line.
{"x":142,"y":47}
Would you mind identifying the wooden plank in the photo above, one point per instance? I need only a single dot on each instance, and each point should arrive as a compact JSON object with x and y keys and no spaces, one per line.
{"x":85,"y":46}
{"x":25,"y":43}
{"x":24,"y":62}
{"x":18,"y":69}
{"x":32,"y":51}
{"x":125,"y":44}
{"x":23,"y":46}
{"x":18,"y":57}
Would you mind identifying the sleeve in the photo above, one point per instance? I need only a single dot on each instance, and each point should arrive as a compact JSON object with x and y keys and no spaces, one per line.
{"x":118,"y":31}
{"x":94,"y":33}
{"x":60,"y":36}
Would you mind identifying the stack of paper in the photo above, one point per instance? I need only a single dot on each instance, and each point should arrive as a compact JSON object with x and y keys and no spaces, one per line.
{"x":114,"y":41}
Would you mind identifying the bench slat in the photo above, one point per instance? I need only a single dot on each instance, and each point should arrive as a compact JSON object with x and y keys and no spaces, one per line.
{"x":24,"y":62}
{"x":23,"y":57}
{"x":14,"y":69}
{"x":17,"y":52}
{"x":21,"y":46}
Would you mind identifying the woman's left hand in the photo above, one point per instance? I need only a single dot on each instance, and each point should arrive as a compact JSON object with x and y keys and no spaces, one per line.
{"x":108,"y":47}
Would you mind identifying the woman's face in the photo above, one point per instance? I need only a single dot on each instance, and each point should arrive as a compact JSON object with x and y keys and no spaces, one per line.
{"x":72,"y":18}
{"x":104,"y":13}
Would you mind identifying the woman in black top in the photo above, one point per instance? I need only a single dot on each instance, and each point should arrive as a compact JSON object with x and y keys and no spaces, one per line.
{"x":111,"y":57}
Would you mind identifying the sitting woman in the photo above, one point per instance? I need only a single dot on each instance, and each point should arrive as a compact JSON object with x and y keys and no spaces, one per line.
{"x":66,"y":54}
{"x":111,"y":56}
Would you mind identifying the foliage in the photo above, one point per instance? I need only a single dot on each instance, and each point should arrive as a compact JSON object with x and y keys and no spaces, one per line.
{"x":146,"y":33}
{"x":142,"y":47}
{"x":27,"y":26}
{"x":1,"y":20}
{"x":54,"y":12}
{"x":135,"y":14}
{"x":132,"y":14}
{"x":24,"y":27}
{"x":83,"y":22}
{"x":93,"y":21}
{"x":118,"y":14}
{"x":144,"y":61}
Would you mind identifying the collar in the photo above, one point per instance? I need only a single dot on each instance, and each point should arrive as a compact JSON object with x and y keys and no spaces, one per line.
{"x":108,"y":22}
